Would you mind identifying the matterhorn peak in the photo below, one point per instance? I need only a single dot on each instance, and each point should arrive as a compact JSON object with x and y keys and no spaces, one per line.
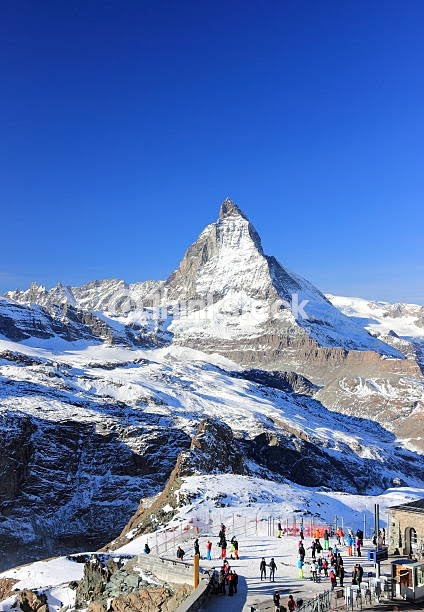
{"x":230,"y":209}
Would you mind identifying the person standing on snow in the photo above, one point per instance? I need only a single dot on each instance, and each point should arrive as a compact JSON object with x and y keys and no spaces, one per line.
{"x":262,"y":568}
{"x":341,"y":575}
{"x":350,"y":542}
{"x":279,"y":532}
{"x":230,"y":580}
{"x":300,"y":567}
{"x":272,"y":568}
{"x":223,"y":545}
{"x":221,"y":581}
{"x":358,"y":546}
{"x":314,"y":570}
{"x":276,"y":600}
{"x":235,"y":581}
{"x":209,"y":550}
{"x":197,"y":547}
{"x":326,"y":538}
{"x":234,"y":547}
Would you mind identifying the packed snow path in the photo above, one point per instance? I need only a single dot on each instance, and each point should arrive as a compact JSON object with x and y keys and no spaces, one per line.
{"x":252,"y":591}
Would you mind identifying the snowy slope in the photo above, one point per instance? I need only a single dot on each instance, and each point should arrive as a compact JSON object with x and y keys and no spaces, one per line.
{"x":381,"y":318}
{"x":98,"y":427}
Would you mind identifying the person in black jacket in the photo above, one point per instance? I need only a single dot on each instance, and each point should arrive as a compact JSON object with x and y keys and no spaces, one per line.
{"x":272,"y":568}
{"x":196,"y":547}
{"x":262,"y":567}
{"x":235,"y":581}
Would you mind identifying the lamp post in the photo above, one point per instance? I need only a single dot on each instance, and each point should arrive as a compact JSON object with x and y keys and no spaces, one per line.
{"x":376,"y":532}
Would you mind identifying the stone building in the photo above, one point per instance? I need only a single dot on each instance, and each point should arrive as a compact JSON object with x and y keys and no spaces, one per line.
{"x":406,"y":529}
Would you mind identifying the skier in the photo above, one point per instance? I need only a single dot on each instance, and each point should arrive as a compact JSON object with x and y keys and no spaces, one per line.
{"x":301,"y":551}
{"x":272,"y":568}
{"x":262,"y":568}
{"x":279,"y":532}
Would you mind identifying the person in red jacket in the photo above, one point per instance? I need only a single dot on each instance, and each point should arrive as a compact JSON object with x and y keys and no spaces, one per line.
{"x":291,"y":604}
{"x":208,"y":550}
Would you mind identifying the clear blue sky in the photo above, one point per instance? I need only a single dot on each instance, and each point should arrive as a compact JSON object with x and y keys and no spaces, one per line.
{"x":125,"y":124}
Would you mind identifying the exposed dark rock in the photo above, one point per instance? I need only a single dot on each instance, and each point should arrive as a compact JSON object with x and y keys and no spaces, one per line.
{"x":117,"y":586}
{"x":284,"y":381}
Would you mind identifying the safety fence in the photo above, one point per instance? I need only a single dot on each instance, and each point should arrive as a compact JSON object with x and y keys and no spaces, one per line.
{"x":320,"y":603}
{"x":165,"y":541}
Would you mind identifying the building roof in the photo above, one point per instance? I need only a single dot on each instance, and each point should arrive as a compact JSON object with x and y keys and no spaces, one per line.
{"x":414,"y":506}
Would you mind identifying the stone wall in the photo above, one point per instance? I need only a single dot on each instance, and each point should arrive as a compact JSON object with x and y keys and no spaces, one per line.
{"x":167,"y":570}
{"x":401,"y":520}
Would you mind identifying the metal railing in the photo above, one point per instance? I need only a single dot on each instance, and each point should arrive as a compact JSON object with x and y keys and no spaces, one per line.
{"x":320,"y":603}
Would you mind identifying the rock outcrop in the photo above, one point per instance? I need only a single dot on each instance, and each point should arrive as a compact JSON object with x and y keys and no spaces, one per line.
{"x":118,"y":586}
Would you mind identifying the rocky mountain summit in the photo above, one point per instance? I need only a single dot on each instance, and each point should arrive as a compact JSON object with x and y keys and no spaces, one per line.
{"x":114,"y":392}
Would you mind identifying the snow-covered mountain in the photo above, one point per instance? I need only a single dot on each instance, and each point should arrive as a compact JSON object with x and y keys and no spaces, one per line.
{"x":400,"y":325}
{"x":106,"y":390}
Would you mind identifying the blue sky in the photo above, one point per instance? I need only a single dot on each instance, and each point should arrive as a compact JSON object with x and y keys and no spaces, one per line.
{"x":125,"y":124}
